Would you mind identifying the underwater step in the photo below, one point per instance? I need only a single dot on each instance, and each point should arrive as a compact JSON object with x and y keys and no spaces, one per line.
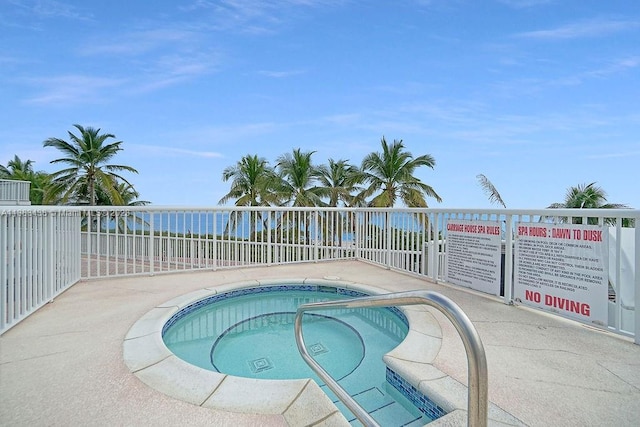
{"x":385,"y":406}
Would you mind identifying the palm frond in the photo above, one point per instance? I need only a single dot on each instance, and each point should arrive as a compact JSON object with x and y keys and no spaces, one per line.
{"x":490,"y":190}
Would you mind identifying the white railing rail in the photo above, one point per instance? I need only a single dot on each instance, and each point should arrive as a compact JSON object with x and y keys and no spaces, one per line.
{"x":14,"y":193}
{"x":125,"y":241}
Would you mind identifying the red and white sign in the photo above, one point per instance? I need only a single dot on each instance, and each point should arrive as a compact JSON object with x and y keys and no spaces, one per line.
{"x":563,"y":268}
{"x":473,"y":254}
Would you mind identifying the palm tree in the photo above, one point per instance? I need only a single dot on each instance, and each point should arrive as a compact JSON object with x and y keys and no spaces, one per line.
{"x":253,"y":183}
{"x":341,"y":180}
{"x":390,"y":174}
{"x":299,"y":178}
{"x":87,"y":156}
{"x":490,"y":190}
{"x":19,"y":170}
{"x":586,"y":196}
{"x":40,"y":184}
{"x":128,"y":196}
{"x":299,"y":186}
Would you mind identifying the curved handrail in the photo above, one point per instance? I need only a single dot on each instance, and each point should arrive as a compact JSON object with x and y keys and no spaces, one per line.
{"x":476,"y":358}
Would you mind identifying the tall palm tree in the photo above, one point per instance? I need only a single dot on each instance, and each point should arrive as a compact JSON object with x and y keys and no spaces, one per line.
{"x":299,"y":187}
{"x":586,"y":196}
{"x":341,"y":181}
{"x":299,"y":178}
{"x":253,"y":183}
{"x":390,"y":174}
{"x":88,"y":155}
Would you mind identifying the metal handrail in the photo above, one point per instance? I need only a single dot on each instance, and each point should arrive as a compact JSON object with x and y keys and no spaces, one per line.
{"x":476,"y":358}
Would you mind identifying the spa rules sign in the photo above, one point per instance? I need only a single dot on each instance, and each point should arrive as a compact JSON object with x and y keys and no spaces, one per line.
{"x":473,"y":255}
{"x":563,"y":268}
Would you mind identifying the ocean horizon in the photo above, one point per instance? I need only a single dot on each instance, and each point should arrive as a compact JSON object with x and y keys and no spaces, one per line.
{"x":219,"y":223}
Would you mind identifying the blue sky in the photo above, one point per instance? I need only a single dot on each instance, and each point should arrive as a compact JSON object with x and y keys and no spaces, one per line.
{"x":538,"y":95}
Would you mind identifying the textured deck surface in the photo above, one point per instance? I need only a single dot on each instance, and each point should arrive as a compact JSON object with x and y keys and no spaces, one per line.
{"x":63,"y":366}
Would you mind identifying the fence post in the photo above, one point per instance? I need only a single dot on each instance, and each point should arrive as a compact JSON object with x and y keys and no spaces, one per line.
{"x":435,"y":253}
{"x":269,"y":241}
{"x":77,"y":237}
{"x":152,"y":251}
{"x":637,"y":283}
{"x":214,"y":250}
{"x":356,"y":234}
{"x":50,"y":268}
{"x":388,"y":237}
{"x":508,"y":259}
{"x":315,"y":237}
{"x":8,"y":275}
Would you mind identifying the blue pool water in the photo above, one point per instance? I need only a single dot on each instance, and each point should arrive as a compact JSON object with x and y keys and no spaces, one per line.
{"x":250,"y":333}
{"x":262,"y":347}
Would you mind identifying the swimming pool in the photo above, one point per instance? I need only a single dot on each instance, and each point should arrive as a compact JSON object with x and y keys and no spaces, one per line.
{"x":249,"y":333}
{"x":408,"y":373}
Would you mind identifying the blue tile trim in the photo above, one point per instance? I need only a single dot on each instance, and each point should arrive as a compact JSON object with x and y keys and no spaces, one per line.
{"x":422,"y":402}
{"x":273,"y":288}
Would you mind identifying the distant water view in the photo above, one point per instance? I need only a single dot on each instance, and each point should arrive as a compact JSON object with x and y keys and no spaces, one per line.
{"x":239,"y":225}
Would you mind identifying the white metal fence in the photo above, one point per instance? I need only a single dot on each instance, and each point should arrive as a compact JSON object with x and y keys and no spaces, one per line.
{"x":14,"y":193}
{"x":121,"y":241}
{"x":39,"y":259}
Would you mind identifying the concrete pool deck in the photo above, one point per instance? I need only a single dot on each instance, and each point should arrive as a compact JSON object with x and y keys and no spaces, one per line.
{"x":64,"y":365}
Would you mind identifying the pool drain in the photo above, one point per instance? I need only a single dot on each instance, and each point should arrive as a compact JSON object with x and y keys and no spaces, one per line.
{"x":260,"y":365}
{"x":317,"y":348}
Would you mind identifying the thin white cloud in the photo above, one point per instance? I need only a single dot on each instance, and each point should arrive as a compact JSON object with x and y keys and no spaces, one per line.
{"x":70,"y":89}
{"x":143,"y":77}
{"x":255,"y":17}
{"x":615,"y":67}
{"x":585,"y":29}
{"x":230,"y":133}
{"x":139,"y":42}
{"x":28,"y":13}
{"x":523,"y":4}
{"x":343,"y":119}
{"x":161,"y":150}
{"x":158,"y":58}
{"x":470,"y":124}
{"x":281,"y":74}
{"x":172,"y":69}
{"x":55,"y":9}
{"x":10,"y":60}
{"x":533,"y":85}
{"x":620,"y":154}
